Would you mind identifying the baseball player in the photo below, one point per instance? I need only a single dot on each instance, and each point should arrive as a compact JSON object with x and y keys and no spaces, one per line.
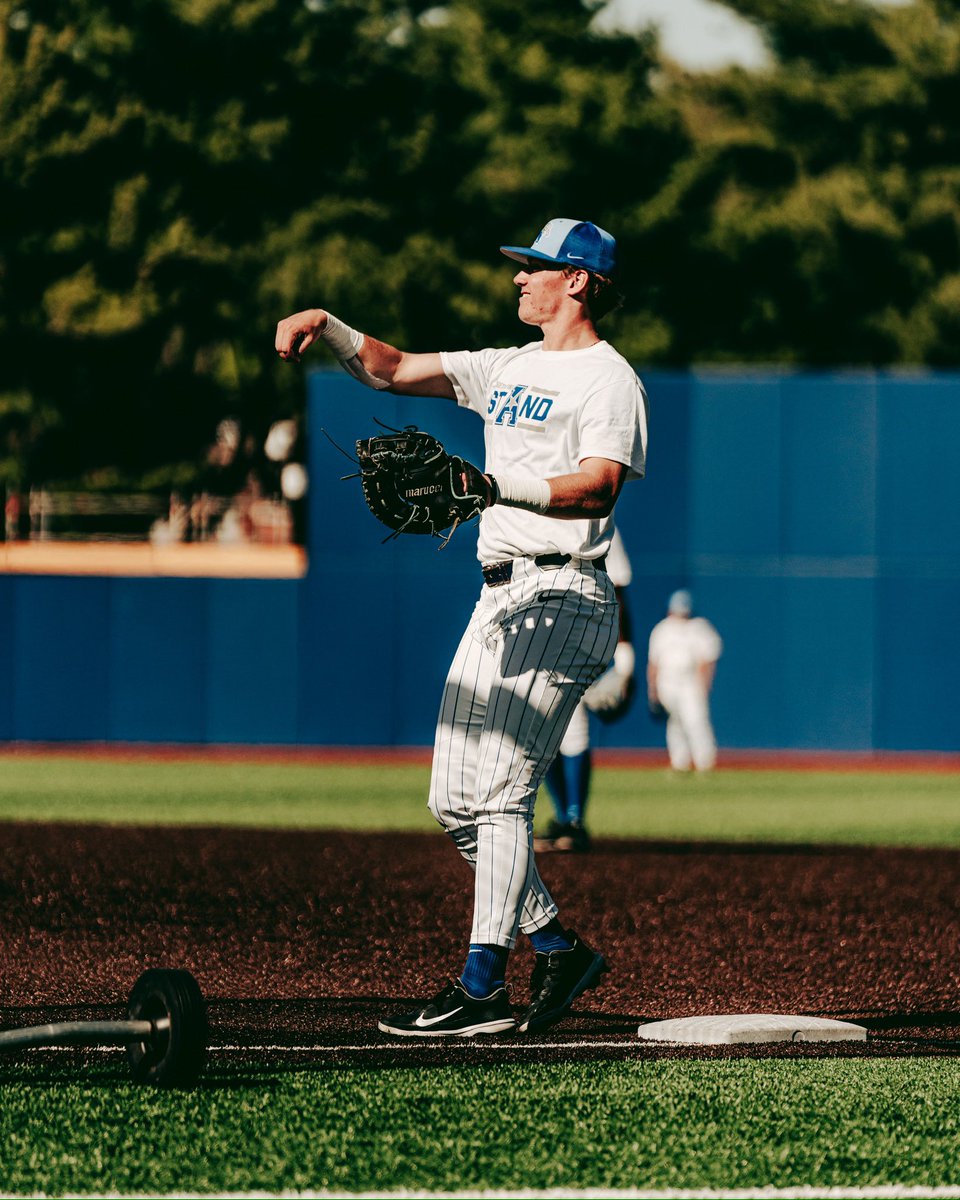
{"x":565,"y":426}
{"x":681,"y":664}
{"x":568,"y":779}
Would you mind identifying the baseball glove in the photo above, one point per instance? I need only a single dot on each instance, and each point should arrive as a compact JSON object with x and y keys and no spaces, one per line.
{"x":611,"y":696}
{"x":413,"y":485}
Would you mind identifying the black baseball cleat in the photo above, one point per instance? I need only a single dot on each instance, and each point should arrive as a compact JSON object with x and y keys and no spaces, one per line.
{"x":558,"y":979}
{"x":543,"y":843}
{"x":454,"y":1013}
{"x":572,"y":839}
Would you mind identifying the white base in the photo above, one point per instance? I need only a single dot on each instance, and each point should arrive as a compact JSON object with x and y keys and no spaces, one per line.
{"x":751,"y":1027}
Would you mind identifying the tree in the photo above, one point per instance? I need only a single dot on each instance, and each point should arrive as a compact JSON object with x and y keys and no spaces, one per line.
{"x":177,"y":174}
{"x":818,"y":218}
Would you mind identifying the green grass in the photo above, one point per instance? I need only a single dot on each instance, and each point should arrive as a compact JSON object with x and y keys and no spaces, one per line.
{"x":894,"y":808}
{"x":654,"y":1124}
{"x":286,"y":795}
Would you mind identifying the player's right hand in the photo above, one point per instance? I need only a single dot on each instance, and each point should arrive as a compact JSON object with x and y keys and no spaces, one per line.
{"x":298,"y":332}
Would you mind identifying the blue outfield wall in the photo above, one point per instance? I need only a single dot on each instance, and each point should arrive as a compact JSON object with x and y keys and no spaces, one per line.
{"x":149,"y":660}
{"x":814,"y":517}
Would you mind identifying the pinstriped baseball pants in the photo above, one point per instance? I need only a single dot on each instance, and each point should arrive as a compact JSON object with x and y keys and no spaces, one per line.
{"x":529,"y":652}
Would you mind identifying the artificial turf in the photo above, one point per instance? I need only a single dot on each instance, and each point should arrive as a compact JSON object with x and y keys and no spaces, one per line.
{"x":655,"y":1124}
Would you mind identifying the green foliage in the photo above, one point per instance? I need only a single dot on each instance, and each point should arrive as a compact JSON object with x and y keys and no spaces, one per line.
{"x":820,"y":213}
{"x":124,"y":289}
{"x":176,"y":175}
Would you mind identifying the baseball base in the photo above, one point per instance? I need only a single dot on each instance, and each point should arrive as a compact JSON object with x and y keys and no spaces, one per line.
{"x":735,"y":1028}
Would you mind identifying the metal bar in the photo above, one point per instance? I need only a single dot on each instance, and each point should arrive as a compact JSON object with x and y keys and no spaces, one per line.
{"x":83,"y":1033}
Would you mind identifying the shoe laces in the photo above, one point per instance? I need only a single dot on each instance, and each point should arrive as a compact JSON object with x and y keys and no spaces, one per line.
{"x":545,"y":970}
{"x":538,"y":975}
{"x":454,"y":985}
{"x":445,"y":993}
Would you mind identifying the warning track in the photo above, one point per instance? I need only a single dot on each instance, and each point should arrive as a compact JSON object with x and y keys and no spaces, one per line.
{"x":741,"y":760}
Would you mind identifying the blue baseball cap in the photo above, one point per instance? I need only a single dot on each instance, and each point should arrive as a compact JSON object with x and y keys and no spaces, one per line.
{"x":569,"y":243}
{"x":680,"y":603}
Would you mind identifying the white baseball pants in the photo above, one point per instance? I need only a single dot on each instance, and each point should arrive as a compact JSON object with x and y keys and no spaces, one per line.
{"x":577,"y":738}
{"x":531,"y":649}
{"x":690,"y":737}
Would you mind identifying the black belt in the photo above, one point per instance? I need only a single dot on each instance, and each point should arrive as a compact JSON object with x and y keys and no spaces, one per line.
{"x":494,"y":574}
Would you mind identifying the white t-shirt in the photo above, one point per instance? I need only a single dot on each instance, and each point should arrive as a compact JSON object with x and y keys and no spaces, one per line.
{"x":545,"y":411}
{"x":618,"y":564}
{"x":679,"y":644}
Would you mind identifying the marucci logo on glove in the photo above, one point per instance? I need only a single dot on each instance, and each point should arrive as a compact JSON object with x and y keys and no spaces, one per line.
{"x":423,"y":491}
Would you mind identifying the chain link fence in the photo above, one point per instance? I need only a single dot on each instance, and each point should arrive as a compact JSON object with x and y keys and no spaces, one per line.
{"x":45,"y":515}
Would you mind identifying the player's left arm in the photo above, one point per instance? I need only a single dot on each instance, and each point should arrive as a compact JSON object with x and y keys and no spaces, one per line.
{"x":589,"y":492}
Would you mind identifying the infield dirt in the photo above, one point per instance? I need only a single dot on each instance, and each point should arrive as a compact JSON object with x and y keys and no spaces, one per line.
{"x":302,"y":939}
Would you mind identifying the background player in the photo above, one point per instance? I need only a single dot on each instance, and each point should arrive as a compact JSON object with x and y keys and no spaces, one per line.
{"x":565,"y":426}
{"x":681,"y":664}
{"x":568,"y":780}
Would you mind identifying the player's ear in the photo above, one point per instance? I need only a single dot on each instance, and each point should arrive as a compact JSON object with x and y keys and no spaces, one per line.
{"x":578,"y":283}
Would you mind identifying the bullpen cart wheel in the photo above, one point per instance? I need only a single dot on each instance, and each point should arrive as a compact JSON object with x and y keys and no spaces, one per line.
{"x":174,"y":1054}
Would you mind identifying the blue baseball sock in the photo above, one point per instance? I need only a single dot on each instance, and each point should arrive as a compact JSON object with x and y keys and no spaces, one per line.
{"x":556,"y":781}
{"x":551,"y":937}
{"x":485,"y":971}
{"x":576,"y":770}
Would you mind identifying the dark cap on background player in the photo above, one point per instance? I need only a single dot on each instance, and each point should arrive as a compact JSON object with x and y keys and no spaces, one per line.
{"x":680,"y":604}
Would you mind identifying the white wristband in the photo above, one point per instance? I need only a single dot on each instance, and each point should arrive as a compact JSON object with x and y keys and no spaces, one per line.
{"x":342,"y":340}
{"x":346,"y":344}
{"x":624,"y":659}
{"x":517,"y":492}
